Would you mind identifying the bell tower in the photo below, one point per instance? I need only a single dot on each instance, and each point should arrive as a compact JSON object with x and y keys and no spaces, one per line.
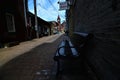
{"x":58,"y":19}
{"x":59,"y":23}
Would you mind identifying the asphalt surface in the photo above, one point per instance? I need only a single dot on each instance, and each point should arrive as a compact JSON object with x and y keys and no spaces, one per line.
{"x":33,"y":60}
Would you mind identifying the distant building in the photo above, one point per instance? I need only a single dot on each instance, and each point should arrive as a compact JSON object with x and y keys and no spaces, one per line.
{"x":54,"y":27}
{"x":43,"y":26}
{"x":59,"y":23}
{"x":63,"y":26}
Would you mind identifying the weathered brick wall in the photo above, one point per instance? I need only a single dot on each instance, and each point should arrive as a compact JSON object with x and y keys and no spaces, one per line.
{"x":102,"y":19}
{"x":15,"y":8}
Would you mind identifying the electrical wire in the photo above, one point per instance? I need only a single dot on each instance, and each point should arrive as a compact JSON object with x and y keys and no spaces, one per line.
{"x":42,"y":6}
{"x":52,"y":5}
{"x":44,"y":9}
{"x":53,"y":8}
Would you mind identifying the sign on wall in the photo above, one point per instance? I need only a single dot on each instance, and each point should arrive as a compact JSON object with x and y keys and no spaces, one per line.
{"x":63,"y":6}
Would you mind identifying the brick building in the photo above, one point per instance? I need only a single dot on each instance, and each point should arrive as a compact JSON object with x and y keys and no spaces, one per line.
{"x":43,"y":26}
{"x":53,"y":27}
{"x":18,"y":24}
{"x":102,"y":19}
{"x":59,"y":23}
{"x":12,"y":21}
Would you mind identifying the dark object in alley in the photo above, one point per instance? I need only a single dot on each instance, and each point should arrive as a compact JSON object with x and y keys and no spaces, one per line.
{"x":67,"y":52}
{"x":67,"y":32}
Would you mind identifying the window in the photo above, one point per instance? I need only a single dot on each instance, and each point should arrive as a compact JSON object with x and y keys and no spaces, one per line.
{"x":10,"y":22}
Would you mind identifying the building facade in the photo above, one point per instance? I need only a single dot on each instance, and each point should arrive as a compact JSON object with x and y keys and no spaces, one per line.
{"x":59,"y":23}
{"x":102,"y":19}
{"x":43,"y":26}
{"x":12,"y":21}
{"x":18,"y":24}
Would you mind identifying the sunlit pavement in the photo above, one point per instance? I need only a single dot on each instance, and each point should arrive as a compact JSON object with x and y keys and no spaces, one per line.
{"x":31,"y":60}
{"x":6,"y":54}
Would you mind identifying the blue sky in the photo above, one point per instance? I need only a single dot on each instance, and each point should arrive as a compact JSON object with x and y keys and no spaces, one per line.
{"x":47,"y":9}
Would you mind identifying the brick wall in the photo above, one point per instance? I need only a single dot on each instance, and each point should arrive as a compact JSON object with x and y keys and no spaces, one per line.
{"x":16,"y":9}
{"x":102,"y":19}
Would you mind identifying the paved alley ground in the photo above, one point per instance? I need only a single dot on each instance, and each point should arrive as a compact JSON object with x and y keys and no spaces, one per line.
{"x":33,"y":59}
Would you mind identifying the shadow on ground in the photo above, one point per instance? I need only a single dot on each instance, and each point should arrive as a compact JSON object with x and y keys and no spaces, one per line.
{"x":38,"y":64}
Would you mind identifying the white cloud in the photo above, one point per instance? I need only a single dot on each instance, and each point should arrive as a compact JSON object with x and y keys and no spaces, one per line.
{"x":47,"y":12}
{"x":56,"y":12}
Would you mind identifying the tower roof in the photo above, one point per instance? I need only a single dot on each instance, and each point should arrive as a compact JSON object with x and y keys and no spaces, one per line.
{"x":58,"y":17}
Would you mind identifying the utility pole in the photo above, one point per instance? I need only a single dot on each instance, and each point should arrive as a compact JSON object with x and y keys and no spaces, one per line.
{"x":36,"y":23}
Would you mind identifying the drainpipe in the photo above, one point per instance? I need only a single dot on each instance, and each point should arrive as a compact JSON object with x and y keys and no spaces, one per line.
{"x":25,"y":17}
{"x":25,"y":13}
{"x":36,"y":23}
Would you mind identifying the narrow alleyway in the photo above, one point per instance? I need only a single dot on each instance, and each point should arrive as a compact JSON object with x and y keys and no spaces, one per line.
{"x":38,"y":64}
{"x":33,"y":65}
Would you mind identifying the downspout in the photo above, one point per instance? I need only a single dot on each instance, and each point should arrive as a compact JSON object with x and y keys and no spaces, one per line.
{"x":36,"y":23}
{"x":25,"y":17}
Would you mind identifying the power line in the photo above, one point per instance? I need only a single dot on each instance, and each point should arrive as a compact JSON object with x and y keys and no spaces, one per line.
{"x":53,"y":8}
{"x":61,"y":15}
{"x":44,"y":9}
{"x":52,"y":5}
{"x":42,"y":6}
